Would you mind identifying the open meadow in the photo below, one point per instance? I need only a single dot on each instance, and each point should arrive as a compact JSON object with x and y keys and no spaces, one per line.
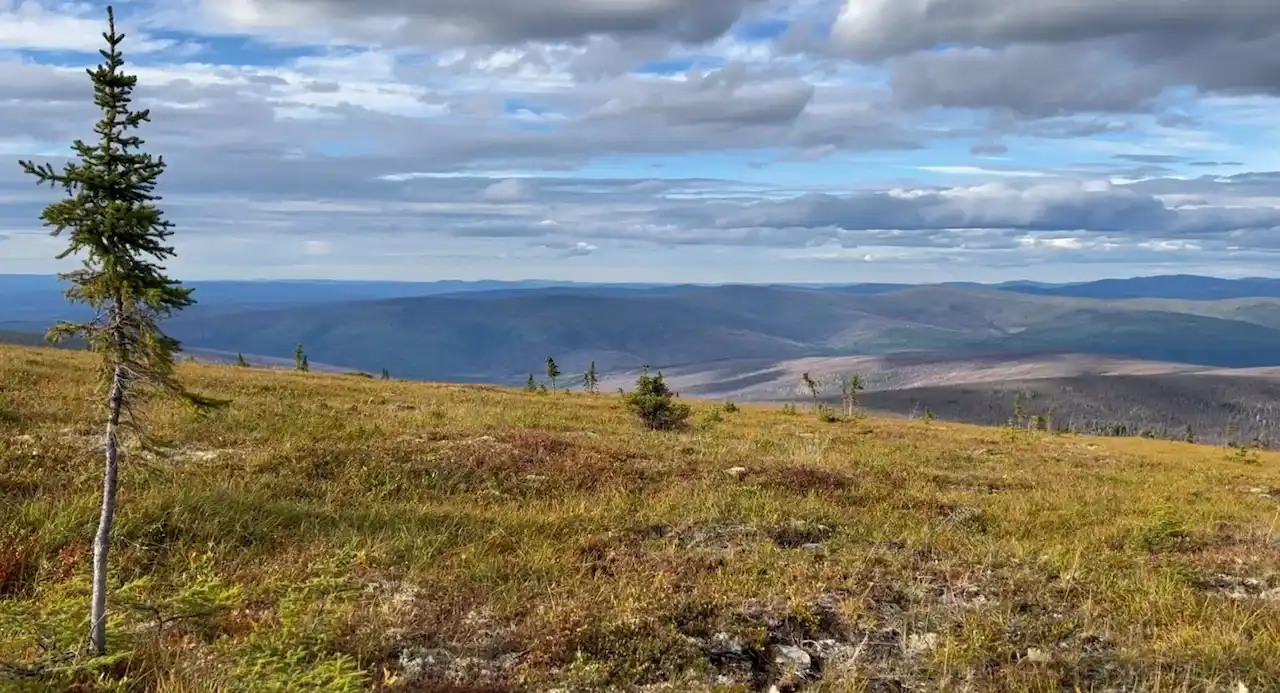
{"x":337,"y":533}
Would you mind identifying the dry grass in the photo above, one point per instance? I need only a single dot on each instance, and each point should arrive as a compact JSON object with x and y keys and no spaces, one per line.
{"x":337,"y":533}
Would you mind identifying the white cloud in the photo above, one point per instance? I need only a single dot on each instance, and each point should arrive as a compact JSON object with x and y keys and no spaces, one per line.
{"x":494,"y":137}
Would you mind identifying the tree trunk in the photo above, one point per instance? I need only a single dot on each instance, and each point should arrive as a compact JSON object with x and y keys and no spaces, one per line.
{"x":101,"y":542}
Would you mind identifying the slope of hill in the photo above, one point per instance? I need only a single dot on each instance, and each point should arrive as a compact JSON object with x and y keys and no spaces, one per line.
{"x":503,"y":337}
{"x":1173,"y":286}
{"x":1075,"y":391}
{"x":358,"y":534}
{"x":38,"y":298}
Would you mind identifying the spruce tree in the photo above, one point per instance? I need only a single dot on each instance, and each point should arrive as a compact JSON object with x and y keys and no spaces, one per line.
{"x":590,"y":380}
{"x":531,"y":385}
{"x":811,"y":385}
{"x":653,"y":402}
{"x":553,"y":372}
{"x":300,"y":362}
{"x":386,"y":374}
{"x":850,"y":385}
{"x":111,"y":218}
{"x":240,"y":360}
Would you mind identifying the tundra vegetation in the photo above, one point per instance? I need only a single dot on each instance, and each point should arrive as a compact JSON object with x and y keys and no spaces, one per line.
{"x":346,"y":534}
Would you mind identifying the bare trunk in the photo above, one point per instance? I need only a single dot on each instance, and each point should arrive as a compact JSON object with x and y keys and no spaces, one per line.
{"x":102,"y":542}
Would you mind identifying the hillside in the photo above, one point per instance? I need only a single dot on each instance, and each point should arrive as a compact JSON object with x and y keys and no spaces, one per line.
{"x":503,"y":337}
{"x":347,"y":534}
{"x":1078,"y":391}
{"x":500,"y":331}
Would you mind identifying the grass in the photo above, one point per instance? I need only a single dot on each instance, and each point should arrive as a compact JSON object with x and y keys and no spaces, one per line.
{"x":335,"y":533}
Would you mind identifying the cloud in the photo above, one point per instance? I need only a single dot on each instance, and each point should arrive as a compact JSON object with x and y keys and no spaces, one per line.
{"x":1062,"y":56}
{"x":509,"y":190}
{"x":734,"y":138}
{"x":443,"y":22}
{"x":71,"y":27}
{"x":882,"y":28}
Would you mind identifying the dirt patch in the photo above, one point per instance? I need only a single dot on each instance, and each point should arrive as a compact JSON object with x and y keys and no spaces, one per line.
{"x":1262,"y":588}
{"x":799,"y":534}
{"x":806,"y":480}
{"x":510,"y":462}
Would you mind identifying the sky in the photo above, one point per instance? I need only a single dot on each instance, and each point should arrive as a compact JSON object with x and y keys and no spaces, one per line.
{"x":672,"y":140}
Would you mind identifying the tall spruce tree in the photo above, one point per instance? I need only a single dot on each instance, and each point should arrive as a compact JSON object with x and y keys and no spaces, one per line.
{"x":111,"y":217}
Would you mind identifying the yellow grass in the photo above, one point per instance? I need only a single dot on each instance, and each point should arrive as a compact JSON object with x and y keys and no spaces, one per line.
{"x":337,"y":533}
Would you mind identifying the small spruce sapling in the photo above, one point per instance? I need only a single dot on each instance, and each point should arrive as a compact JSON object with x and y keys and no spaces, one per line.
{"x":111,"y":214}
{"x":850,"y":385}
{"x":553,"y":372}
{"x":531,"y":385}
{"x":386,"y":374}
{"x":590,"y":379}
{"x":240,"y":360}
{"x":300,"y":362}
{"x":1019,"y":419}
{"x":653,"y":403}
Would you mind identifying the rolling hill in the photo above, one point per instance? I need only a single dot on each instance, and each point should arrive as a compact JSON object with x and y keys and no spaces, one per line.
{"x":503,"y":337}
{"x":962,"y":350}
{"x":1075,"y":391}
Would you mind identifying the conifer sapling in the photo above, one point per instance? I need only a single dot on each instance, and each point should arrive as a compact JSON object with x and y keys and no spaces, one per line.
{"x":811,"y":385}
{"x":111,"y":217}
{"x":553,"y":372}
{"x":590,"y":380}
{"x":850,"y":385}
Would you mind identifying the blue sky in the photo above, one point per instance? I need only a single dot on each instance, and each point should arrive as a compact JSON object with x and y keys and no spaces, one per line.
{"x":724,"y":140}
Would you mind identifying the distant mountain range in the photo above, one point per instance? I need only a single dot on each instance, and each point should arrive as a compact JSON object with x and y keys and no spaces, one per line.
{"x":500,"y":331}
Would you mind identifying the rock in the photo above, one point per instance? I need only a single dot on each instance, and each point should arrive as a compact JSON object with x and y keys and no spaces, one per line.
{"x":811,"y":547}
{"x":725,"y":644}
{"x":918,"y":644}
{"x":736,"y":472}
{"x":792,"y":659}
{"x":1037,"y":655}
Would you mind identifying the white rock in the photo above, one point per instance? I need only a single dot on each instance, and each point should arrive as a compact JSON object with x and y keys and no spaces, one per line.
{"x":726,"y":644}
{"x":1038,"y":655}
{"x":736,"y":472}
{"x":918,"y":644}
{"x":790,"y":657}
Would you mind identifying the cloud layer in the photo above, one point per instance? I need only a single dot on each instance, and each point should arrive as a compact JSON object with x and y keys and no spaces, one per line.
{"x":724,"y":140}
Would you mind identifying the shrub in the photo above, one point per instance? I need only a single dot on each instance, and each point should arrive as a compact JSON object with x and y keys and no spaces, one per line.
{"x":653,"y":402}
{"x":730,"y":407}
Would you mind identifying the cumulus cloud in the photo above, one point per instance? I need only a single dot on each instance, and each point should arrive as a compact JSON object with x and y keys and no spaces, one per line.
{"x":309,"y":136}
{"x":486,"y":21}
{"x":1059,"y":56}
